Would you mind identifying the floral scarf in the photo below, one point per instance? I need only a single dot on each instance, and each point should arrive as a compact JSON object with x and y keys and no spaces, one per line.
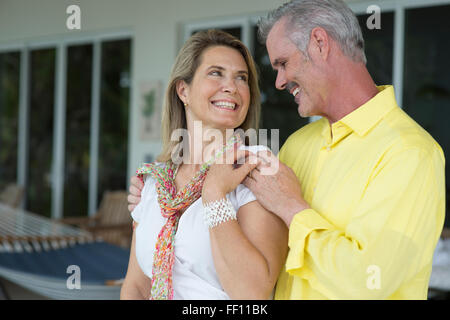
{"x":172,"y":204}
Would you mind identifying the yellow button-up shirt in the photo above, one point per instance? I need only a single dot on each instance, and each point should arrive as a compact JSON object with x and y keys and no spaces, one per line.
{"x":376,"y":186}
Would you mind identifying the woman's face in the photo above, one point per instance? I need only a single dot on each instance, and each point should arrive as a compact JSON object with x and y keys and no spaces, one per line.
{"x":219,"y":94}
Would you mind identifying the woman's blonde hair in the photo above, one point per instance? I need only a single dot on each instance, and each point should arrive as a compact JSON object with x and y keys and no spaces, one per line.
{"x":184,"y":68}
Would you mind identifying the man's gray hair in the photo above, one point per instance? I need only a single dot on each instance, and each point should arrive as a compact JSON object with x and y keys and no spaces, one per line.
{"x":334,"y":16}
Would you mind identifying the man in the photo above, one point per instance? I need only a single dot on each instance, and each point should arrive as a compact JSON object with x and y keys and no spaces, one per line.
{"x":361,"y":190}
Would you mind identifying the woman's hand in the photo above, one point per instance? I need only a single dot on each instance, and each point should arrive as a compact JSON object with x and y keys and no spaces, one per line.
{"x":225,"y":175}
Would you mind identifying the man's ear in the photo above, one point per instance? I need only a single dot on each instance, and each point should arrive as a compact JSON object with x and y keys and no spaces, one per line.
{"x":319,"y":44}
{"x":183,"y":91}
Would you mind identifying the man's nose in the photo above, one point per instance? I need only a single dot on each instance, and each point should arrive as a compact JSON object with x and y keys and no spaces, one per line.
{"x":280,"y":82}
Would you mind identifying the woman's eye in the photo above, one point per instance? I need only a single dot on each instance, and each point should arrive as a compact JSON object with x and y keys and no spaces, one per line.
{"x":244,"y":78}
{"x":215,"y":73}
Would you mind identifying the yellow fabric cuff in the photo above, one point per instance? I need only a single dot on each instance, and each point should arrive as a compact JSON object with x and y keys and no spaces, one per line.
{"x":301,"y":226}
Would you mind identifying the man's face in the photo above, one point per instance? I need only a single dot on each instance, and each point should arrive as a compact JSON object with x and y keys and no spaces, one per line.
{"x":295,"y":73}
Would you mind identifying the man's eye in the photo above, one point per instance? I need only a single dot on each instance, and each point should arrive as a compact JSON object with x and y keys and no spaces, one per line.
{"x":215,"y":73}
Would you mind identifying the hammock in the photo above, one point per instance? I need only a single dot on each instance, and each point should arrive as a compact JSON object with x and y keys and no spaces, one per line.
{"x":48,"y":258}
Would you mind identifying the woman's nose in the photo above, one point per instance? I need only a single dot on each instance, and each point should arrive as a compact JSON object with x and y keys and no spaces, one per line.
{"x":229,"y":86}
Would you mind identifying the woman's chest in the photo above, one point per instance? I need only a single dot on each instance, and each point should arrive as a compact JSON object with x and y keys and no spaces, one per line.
{"x":192,"y":244}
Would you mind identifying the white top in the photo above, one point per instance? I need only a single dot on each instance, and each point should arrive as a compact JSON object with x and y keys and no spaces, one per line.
{"x":194,"y":275}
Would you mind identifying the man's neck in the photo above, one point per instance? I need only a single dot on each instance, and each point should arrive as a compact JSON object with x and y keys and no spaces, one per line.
{"x":354,"y":87}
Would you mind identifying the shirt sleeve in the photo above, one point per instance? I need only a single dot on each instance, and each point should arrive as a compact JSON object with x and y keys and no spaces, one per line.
{"x":240,"y":196}
{"x":244,"y":195}
{"x":389,"y":238}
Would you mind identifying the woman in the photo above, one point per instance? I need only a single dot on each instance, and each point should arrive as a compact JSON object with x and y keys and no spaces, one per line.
{"x":198,"y":232}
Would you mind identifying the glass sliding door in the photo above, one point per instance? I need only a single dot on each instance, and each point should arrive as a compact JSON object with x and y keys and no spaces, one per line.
{"x":114,"y":113}
{"x":40,"y":131}
{"x":9,"y":113}
{"x":379,"y":47}
{"x":78,"y":131}
{"x":426,"y":95}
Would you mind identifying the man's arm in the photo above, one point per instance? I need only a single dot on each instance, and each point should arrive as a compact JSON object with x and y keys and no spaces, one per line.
{"x":393,"y":230}
{"x":135,"y":189}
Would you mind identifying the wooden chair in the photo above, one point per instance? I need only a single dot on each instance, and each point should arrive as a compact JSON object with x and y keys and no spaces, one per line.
{"x":112,"y":222}
{"x":12,"y":195}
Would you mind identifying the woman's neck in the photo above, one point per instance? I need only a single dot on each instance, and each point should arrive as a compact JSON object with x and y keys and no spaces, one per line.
{"x":203,"y":143}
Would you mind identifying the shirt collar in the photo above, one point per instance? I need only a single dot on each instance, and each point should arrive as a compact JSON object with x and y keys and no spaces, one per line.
{"x":364,"y":118}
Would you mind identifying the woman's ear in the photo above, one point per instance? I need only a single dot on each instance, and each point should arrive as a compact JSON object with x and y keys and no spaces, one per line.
{"x":183,"y":91}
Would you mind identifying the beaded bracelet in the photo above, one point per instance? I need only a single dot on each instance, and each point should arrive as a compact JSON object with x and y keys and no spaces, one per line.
{"x":219,"y":211}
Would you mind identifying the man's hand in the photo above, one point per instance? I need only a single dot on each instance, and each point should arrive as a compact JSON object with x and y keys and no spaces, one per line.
{"x":224,"y":176}
{"x":278,"y":191}
{"x":135,"y":189}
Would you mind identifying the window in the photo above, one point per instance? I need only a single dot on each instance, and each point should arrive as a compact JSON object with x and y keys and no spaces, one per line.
{"x":426,"y":74}
{"x":235,"y":31}
{"x":114,"y":110}
{"x":40,"y":131}
{"x":379,"y":47}
{"x":9,"y":112}
{"x":73,"y":119}
{"x":78,"y":129}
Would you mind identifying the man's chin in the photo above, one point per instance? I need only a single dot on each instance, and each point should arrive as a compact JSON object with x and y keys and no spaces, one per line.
{"x":304,"y":113}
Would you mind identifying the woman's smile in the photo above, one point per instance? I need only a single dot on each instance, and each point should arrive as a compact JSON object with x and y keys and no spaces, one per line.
{"x":225,"y":105}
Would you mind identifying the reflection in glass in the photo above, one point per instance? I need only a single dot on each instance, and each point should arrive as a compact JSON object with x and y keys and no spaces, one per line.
{"x":9,"y":108}
{"x":78,"y":121}
{"x":40,"y":135}
{"x":426,"y":78}
{"x":114,"y":109}
{"x":379,"y":44}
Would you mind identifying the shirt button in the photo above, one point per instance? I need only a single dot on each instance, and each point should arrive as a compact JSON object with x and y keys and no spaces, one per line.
{"x":328,"y":148}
